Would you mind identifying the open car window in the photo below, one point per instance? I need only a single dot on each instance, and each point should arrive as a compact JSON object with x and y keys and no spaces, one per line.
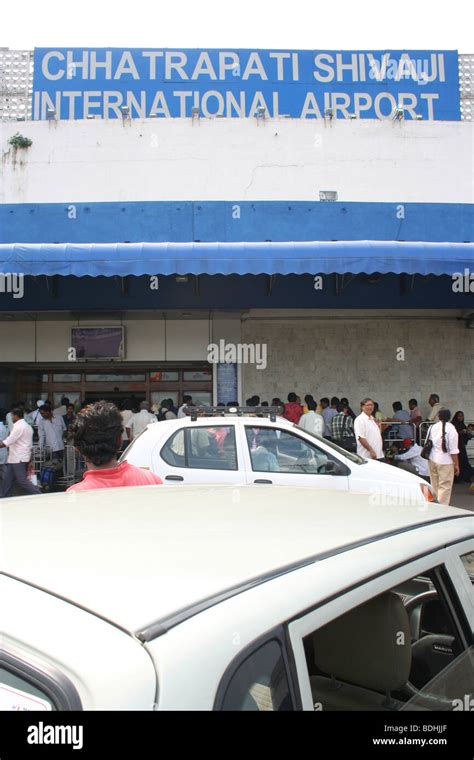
{"x":451,"y":689}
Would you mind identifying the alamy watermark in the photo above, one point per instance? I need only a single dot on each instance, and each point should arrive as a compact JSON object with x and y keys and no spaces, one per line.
{"x":12,"y":282}
{"x":463,"y":282}
{"x":46,"y":734}
{"x":237,"y":353}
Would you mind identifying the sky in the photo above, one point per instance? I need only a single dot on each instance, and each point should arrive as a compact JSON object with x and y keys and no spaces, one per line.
{"x":266,"y":24}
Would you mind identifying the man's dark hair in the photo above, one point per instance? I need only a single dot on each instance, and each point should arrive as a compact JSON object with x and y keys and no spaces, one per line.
{"x":334,"y":401}
{"x":340,"y":406}
{"x":96,"y":432}
{"x":396,"y":406}
{"x":64,"y":401}
{"x":45,"y":408}
{"x":70,"y":406}
{"x":413,"y":401}
{"x":311,"y":404}
{"x":324,"y":400}
{"x":18,"y":412}
{"x":291,"y":397}
{"x":308,"y":397}
{"x":345,"y":401}
{"x":187,"y":399}
{"x":435,"y":397}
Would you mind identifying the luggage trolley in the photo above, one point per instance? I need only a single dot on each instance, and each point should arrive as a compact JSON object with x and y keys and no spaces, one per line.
{"x":40,"y":455}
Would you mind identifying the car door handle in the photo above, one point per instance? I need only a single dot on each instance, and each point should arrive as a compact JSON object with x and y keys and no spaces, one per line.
{"x":174,"y":477}
{"x":262,"y":480}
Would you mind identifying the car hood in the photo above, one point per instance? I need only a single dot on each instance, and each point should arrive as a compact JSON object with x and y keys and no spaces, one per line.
{"x":382,"y":471}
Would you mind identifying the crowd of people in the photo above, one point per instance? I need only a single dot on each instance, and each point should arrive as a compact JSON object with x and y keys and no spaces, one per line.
{"x":100,"y":431}
{"x":396,"y":438}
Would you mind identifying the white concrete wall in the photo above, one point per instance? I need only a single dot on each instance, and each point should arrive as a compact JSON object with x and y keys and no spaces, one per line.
{"x":238,"y":159}
{"x":358,"y":358}
{"x":145,"y":340}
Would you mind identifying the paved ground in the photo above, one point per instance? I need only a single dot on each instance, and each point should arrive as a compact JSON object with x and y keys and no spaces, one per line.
{"x":462,"y":496}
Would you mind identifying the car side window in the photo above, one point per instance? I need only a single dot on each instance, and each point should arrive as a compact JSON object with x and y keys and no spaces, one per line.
{"x":468,"y":562}
{"x":260,"y":682}
{"x":173,"y":450}
{"x":19,"y":695}
{"x":211,"y":447}
{"x":202,"y":447}
{"x":276,"y":450}
{"x":387,"y":653}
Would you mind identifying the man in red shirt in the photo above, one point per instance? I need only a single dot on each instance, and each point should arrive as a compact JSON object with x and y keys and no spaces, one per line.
{"x":292,"y":411}
{"x":97,"y":436}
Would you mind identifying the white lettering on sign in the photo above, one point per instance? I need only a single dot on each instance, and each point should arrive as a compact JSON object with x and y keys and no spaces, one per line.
{"x":234,"y":83}
{"x":254,"y":66}
{"x":45,"y":65}
{"x":204,"y":66}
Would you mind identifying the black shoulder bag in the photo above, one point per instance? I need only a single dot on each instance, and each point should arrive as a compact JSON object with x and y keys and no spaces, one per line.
{"x":426,"y":450}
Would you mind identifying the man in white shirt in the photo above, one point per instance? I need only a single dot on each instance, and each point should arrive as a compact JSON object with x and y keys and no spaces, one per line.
{"x":181,"y":411}
{"x":34,"y":417}
{"x":127,"y":415}
{"x":367,"y":432}
{"x":139,"y":421}
{"x":19,"y":444}
{"x":312,"y":422}
{"x":4,"y":451}
{"x":444,"y":456}
{"x":51,"y":432}
{"x":433,"y":401}
{"x":411,"y":460}
{"x":61,"y":410}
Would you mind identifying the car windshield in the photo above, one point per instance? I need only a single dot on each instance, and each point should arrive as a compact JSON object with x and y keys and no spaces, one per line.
{"x":342,"y":452}
{"x":451,"y":689}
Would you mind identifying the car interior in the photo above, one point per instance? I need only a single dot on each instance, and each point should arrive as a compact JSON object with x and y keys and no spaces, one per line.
{"x":385,"y":653}
{"x":279,"y":451}
{"x":210,"y":448}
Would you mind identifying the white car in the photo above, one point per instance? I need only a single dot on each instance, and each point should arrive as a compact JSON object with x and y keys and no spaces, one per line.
{"x":246,"y":449}
{"x":223,"y":598}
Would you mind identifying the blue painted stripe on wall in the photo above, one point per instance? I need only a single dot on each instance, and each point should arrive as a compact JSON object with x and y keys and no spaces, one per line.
{"x":237,"y":221}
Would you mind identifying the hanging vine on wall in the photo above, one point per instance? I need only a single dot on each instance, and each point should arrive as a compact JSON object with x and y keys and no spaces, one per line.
{"x":19,"y":141}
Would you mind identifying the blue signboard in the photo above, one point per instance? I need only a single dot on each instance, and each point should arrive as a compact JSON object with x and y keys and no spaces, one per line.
{"x":226,"y":383}
{"x":78,"y":83}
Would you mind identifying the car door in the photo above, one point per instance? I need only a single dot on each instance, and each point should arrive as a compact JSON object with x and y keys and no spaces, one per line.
{"x":416,"y":620}
{"x":277,"y":455}
{"x":200,"y":453}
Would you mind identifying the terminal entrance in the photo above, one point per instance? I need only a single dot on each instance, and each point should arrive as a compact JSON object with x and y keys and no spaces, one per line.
{"x":93,"y":383}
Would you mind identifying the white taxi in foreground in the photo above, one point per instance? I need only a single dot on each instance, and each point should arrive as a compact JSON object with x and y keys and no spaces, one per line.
{"x":234,"y":449}
{"x":234,"y":599}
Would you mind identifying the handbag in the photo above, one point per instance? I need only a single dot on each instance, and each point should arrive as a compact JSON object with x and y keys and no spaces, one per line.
{"x":428,"y":445}
{"x":348,"y":440}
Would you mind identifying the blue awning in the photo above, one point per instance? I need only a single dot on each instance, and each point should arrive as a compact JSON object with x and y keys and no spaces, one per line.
{"x":363,"y":256}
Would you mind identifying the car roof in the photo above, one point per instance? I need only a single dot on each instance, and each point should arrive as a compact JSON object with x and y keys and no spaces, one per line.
{"x":142,"y":554}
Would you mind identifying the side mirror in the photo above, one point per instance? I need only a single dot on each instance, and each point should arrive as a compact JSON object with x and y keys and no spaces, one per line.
{"x":332,"y":468}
